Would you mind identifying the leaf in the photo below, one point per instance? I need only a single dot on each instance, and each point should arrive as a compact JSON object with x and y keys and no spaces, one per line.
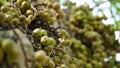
{"x":118,"y":0}
{"x":117,"y":24}
{"x":4,"y":1}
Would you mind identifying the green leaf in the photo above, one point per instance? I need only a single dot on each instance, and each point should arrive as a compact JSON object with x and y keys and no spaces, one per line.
{"x":117,"y":24}
{"x":118,"y":0}
{"x":4,"y":1}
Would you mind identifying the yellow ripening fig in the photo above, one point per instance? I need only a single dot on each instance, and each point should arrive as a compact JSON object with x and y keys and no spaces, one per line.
{"x":40,"y":13}
{"x":40,"y":56}
{"x":8,"y":17}
{"x":49,"y":5}
{"x":31,"y":17}
{"x":63,"y":33}
{"x":67,"y":42}
{"x":63,"y":66}
{"x":56,"y":6}
{"x":15,"y":21}
{"x":52,"y":41}
{"x":72,"y":65}
{"x":51,"y":64}
{"x":25,"y":5}
{"x":12,"y":56}
{"x":22,"y":18}
{"x":45,"y":40}
{"x":88,"y":65}
{"x":7,"y":45}
{"x":37,"y":32}
{"x":27,"y":21}
{"x":38,"y":65}
{"x":46,"y":62}
{"x":43,"y":32}
{"x":4,"y":8}
{"x":29,"y":12}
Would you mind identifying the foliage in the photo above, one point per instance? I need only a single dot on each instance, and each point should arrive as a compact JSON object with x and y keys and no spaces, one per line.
{"x":4,"y":1}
